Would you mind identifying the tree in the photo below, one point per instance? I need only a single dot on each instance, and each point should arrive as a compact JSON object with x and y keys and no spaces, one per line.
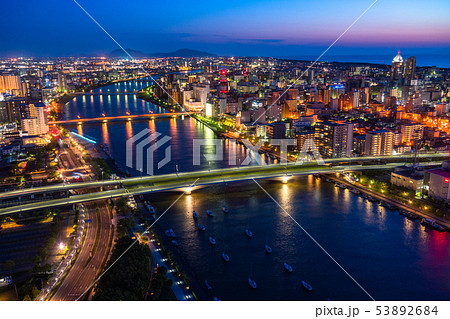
{"x":34,"y":292}
{"x":122,"y":204}
{"x":130,"y":276}
{"x":123,"y":225}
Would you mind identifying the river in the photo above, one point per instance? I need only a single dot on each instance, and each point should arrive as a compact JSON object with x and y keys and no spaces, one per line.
{"x":391,"y":257}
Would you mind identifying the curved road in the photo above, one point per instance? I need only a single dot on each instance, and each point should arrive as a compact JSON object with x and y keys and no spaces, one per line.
{"x":85,"y":269}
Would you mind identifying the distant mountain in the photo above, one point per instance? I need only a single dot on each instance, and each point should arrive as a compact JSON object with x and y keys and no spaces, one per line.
{"x":182,"y":53}
{"x":119,"y":53}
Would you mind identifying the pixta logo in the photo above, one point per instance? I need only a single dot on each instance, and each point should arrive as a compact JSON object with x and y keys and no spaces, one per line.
{"x":146,"y":145}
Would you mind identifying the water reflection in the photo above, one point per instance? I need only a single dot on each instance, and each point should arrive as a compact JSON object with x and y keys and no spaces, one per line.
{"x":105,"y":135}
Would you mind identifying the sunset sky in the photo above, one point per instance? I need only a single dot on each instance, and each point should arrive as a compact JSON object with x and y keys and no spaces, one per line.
{"x":275,"y":28}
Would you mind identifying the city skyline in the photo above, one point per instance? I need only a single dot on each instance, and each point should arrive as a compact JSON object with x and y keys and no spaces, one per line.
{"x":256,"y":151}
{"x":295,"y":29}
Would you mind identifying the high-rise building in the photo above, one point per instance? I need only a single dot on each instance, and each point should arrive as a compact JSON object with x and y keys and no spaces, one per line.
{"x":380,"y":142}
{"x":334,"y":139}
{"x":411,"y":132}
{"x":305,"y":141}
{"x":10,"y":109}
{"x":397,"y":68}
{"x":10,"y":83}
{"x":62,"y":83}
{"x":36,"y":122}
{"x":410,"y":70}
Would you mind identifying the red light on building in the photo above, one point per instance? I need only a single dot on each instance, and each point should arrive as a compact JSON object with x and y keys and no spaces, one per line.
{"x":223,"y":72}
{"x":447,"y":180}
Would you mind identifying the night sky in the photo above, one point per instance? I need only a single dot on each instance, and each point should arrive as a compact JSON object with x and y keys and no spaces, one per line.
{"x":257,"y":28}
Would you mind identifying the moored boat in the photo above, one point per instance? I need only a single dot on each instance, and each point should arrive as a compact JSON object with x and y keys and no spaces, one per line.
{"x":432,"y":224}
{"x":194,"y":214}
{"x":212,"y":240}
{"x":168,"y":233}
{"x":252,"y":283}
{"x":225,"y":257}
{"x":306,"y":286}
{"x":288,"y":267}
{"x":209,"y":213}
{"x":248,"y":233}
{"x":201,"y":227}
{"x":268,"y":249}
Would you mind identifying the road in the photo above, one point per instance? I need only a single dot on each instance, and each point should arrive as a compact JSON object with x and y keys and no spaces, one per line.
{"x":91,"y":256}
{"x":94,"y":248}
{"x":183,"y":181}
{"x":397,"y":159}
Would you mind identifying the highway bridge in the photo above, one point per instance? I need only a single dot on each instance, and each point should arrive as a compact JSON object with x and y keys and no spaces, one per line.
{"x":424,"y":158}
{"x":182,"y":181}
{"x":105,"y":119}
{"x":106,"y":93}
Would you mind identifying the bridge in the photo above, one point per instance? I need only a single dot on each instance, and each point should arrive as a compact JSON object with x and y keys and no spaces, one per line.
{"x":105,"y":119}
{"x":107,"y":93}
{"x":182,"y":181}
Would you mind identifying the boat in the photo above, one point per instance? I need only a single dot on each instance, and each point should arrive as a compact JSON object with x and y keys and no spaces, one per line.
{"x":167,"y":232}
{"x":248,"y":233}
{"x":207,"y":285}
{"x":387,"y":205}
{"x":194,"y":214}
{"x":201,"y":227}
{"x":172,"y":233}
{"x":252,"y":283}
{"x":175,"y":243}
{"x":225,"y":257}
{"x":268,"y":249}
{"x":413,"y":216}
{"x":209,"y":213}
{"x":151,"y":209}
{"x":225,"y":210}
{"x":306,"y":286}
{"x":405,"y":213}
{"x":288,"y":267}
{"x":432,"y":224}
{"x":355,"y":191}
{"x":212,"y":240}
{"x":216,"y":299}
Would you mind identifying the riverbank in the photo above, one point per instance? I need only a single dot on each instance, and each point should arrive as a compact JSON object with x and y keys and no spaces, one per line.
{"x":164,"y":256}
{"x":396,"y":203}
{"x":149,"y":97}
{"x":181,"y":265}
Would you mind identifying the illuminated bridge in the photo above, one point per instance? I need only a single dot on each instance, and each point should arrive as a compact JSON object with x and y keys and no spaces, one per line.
{"x":182,"y":181}
{"x":107,"y":93}
{"x":105,"y":119}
